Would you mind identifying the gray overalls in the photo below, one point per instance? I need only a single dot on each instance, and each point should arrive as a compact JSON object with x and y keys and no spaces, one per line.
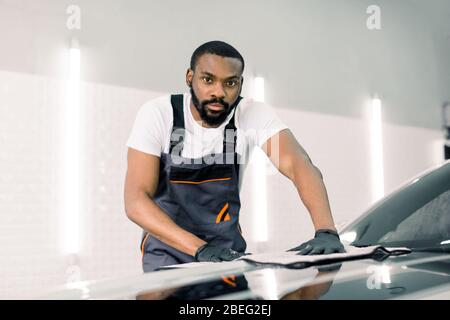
{"x":199,"y":197}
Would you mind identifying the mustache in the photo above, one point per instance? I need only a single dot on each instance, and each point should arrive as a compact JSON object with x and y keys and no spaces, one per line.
{"x":216,"y":100}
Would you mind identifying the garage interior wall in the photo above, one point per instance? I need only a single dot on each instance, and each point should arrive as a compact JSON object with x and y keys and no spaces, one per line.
{"x":320,"y":75}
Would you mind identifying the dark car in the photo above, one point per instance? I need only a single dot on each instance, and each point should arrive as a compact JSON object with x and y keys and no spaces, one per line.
{"x":416,"y":216}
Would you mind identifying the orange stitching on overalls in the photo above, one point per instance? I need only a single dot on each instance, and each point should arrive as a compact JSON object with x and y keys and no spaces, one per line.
{"x":143,"y":243}
{"x":229,"y":280}
{"x":199,"y":182}
{"x":222,"y":211}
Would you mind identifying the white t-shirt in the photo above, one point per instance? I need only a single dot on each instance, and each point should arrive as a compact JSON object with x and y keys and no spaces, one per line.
{"x":255,"y":122}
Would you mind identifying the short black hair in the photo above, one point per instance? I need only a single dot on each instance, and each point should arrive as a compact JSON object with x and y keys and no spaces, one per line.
{"x":216,"y":47}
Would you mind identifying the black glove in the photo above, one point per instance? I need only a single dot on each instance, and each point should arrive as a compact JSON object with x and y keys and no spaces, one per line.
{"x":211,"y":253}
{"x":325,"y":242}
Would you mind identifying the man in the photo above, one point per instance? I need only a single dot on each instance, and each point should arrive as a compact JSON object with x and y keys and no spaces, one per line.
{"x":181,"y":186}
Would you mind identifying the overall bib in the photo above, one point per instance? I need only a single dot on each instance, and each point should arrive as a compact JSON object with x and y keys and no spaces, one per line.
{"x":199,"y":197}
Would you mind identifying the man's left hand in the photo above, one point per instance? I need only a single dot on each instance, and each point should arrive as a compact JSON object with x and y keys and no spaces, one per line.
{"x":325,"y":242}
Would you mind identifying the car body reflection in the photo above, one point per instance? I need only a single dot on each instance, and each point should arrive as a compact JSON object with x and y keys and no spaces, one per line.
{"x":230,"y":284}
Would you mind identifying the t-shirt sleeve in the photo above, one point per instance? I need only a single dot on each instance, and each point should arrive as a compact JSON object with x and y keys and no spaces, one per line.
{"x":148,"y":131}
{"x":262,"y":121}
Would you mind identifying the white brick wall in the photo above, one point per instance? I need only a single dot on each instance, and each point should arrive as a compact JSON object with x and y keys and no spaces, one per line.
{"x":110,"y":242}
{"x":30,"y":184}
{"x":29,"y":108}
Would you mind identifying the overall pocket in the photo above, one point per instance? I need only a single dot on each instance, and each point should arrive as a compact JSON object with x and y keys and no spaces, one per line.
{"x":203,"y":194}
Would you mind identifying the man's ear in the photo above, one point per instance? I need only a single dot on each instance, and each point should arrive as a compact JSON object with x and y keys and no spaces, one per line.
{"x":189,"y":76}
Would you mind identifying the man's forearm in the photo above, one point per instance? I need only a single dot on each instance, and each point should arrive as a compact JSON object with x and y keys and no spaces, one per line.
{"x":311,"y":189}
{"x":147,"y":214}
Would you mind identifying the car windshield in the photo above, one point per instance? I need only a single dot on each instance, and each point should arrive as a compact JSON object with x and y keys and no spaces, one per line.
{"x":416,"y":216}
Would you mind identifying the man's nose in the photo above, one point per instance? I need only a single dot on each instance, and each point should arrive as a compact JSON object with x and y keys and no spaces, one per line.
{"x":218,"y":91}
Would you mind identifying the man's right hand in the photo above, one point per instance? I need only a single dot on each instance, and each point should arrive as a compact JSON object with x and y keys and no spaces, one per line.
{"x":211,"y":253}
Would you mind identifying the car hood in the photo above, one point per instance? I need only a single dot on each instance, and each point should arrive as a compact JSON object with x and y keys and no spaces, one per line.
{"x":414,"y":275}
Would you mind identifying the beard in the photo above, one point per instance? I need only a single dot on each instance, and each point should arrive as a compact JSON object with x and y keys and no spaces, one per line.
{"x":212,"y":118}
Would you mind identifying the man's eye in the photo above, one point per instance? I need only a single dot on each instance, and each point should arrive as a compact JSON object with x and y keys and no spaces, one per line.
{"x":232,"y":83}
{"x":207,"y":79}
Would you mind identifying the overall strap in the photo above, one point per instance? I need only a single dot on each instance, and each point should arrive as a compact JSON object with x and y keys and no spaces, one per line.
{"x":178,"y":121}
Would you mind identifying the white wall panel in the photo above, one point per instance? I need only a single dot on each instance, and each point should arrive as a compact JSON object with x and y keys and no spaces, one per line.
{"x":29,"y":109}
